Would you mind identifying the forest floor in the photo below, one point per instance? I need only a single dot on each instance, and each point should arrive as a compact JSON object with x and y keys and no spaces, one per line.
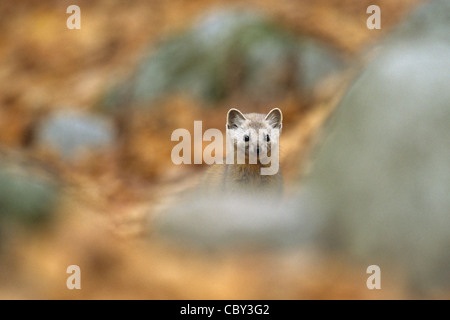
{"x":104,"y":221}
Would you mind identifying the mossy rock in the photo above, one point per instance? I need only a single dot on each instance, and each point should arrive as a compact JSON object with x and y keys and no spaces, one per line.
{"x":26,"y":198}
{"x":227,"y":51}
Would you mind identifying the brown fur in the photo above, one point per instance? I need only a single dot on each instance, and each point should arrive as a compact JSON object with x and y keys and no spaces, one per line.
{"x":243,"y":178}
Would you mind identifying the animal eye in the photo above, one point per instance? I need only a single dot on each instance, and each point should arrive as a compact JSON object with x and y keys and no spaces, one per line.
{"x":267,"y":138}
{"x":246,"y":138}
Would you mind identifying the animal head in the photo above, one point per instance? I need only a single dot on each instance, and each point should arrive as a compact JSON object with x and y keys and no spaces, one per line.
{"x":254,"y":133}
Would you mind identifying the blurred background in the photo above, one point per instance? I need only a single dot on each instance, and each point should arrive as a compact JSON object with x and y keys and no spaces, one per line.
{"x":86,"y":176}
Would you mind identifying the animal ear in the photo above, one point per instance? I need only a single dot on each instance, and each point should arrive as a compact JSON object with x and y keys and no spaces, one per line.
{"x":275,"y":118}
{"x":235,"y":118}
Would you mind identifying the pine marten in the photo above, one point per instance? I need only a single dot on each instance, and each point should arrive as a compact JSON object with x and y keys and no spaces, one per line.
{"x":252,"y":166}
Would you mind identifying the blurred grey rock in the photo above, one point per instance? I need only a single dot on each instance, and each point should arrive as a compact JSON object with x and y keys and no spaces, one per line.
{"x":227,"y":51}
{"x":71,"y":132}
{"x":217,"y":222}
{"x":382,"y":176}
